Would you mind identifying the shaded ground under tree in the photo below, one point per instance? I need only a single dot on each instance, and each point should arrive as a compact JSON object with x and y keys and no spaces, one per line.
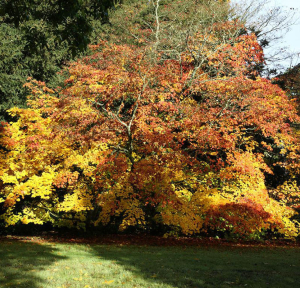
{"x":34,"y":262}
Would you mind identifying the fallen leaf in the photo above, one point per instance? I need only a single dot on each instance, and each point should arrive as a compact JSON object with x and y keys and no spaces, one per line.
{"x":108,"y":282}
{"x":78,"y":279}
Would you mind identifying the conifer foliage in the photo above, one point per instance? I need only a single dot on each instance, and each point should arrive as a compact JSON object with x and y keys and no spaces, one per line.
{"x":38,"y":37}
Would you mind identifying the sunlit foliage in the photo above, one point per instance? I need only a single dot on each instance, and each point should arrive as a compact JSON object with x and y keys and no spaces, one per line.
{"x":139,"y":138}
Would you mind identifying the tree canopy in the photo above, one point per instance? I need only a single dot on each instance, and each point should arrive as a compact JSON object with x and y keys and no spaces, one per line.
{"x":165,"y":128}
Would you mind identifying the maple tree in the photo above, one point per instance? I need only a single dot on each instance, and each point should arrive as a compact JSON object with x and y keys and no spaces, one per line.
{"x":141,"y":138}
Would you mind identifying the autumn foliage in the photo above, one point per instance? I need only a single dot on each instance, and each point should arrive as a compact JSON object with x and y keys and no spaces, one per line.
{"x":140,"y":138}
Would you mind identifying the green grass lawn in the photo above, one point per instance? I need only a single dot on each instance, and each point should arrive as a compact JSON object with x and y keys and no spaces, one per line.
{"x":32,"y":265}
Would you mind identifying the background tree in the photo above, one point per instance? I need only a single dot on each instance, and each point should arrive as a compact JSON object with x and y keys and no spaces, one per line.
{"x":12,"y":69}
{"x":290,"y":82}
{"x":39,"y":37}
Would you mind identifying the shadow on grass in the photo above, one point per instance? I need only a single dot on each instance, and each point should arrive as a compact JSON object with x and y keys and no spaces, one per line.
{"x":21,"y":262}
{"x":211,"y":267}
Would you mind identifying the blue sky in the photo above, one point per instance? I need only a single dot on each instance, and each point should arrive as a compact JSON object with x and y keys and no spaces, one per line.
{"x":292,"y":38}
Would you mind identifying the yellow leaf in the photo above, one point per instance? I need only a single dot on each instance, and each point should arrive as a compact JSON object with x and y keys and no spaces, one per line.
{"x":108,"y":282}
{"x":78,"y":279}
